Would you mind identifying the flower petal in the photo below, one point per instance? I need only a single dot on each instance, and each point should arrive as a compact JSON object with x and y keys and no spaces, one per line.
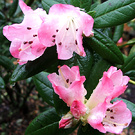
{"x":118,"y":116}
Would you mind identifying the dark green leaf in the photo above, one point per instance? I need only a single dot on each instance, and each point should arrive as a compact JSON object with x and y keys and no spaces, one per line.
{"x":44,"y":87}
{"x":131,"y":74}
{"x":87,"y":130}
{"x":129,"y":63}
{"x":46,"y":124}
{"x":84,"y":63}
{"x":60,"y":105}
{"x":118,"y":33}
{"x":108,"y":32}
{"x":47,"y":4}
{"x":130,"y":106}
{"x":95,"y":74}
{"x":84,"y":4}
{"x":6,"y":62}
{"x":2,"y":16}
{"x":132,"y":49}
{"x":105,"y":47}
{"x":13,"y":8}
{"x":33,"y":67}
{"x":2,"y":83}
{"x":114,"y":12}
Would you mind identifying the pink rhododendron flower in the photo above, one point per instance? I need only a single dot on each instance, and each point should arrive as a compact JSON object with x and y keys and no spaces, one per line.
{"x":69,"y":86}
{"x":64,"y":27}
{"x":25,"y":44}
{"x":103,"y":115}
{"x":97,"y":110}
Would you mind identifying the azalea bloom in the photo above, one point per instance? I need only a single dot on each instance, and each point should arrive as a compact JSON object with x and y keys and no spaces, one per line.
{"x":97,"y":110}
{"x":64,"y":27}
{"x":69,"y":86}
{"x":25,"y":44}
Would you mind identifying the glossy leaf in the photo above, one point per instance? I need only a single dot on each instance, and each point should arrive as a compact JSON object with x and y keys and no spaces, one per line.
{"x":131,"y":74}
{"x":44,"y":87}
{"x":2,"y":16}
{"x":2,"y":83}
{"x":84,"y":63}
{"x":95,"y":74}
{"x":46,"y":124}
{"x":105,"y":47}
{"x":84,"y":4}
{"x":87,"y":130}
{"x":47,"y":4}
{"x":118,"y":33}
{"x":13,"y":8}
{"x":33,"y":67}
{"x":129,"y":63}
{"x":130,"y":106}
{"x":133,"y":48}
{"x":6,"y":62}
{"x":114,"y":12}
{"x":60,"y":105}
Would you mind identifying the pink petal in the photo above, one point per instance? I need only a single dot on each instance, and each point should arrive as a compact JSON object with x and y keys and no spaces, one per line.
{"x":96,"y":116}
{"x":61,"y":9}
{"x":24,"y":7}
{"x":47,"y":33}
{"x":87,"y":24}
{"x":14,"y":48}
{"x":118,"y":116}
{"x":13,"y":31}
{"x":103,"y":90}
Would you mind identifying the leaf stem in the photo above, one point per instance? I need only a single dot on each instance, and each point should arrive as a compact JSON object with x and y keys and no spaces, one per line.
{"x":131,"y":81}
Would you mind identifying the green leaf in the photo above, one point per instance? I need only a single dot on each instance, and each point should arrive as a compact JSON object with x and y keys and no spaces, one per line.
{"x":2,"y":83}
{"x":33,"y":67}
{"x":95,"y":74}
{"x":47,"y":4}
{"x":108,"y":32}
{"x":129,"y":63}
{"x":130,"y":106}
{"x":114,"y":12}
{"x":84,"y":4}
{"x":84,"y":63}
{"x":6,"y":62}
{"x":87,"y":130}
{"x":2,"y":16}
{"x":44,"y":87}
{"x":118,"y":33}
{"x":60,"y":105}
{"x":105,"y":47}
{"x":47,"y":124}
{"x":131,"y":74}
{"x":13,"y":8}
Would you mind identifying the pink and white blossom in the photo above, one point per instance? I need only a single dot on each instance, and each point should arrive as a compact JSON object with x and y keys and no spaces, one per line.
{"x":97,"y":110}
{"x":25,"y":43}
{"x":103,"y":115}
{"x":68,"y":84}
{"x":64,"y":27}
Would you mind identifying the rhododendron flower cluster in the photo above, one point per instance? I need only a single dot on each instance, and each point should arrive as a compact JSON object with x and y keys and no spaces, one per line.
{"x":63,"y":26}
{"x":98,"y":111}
